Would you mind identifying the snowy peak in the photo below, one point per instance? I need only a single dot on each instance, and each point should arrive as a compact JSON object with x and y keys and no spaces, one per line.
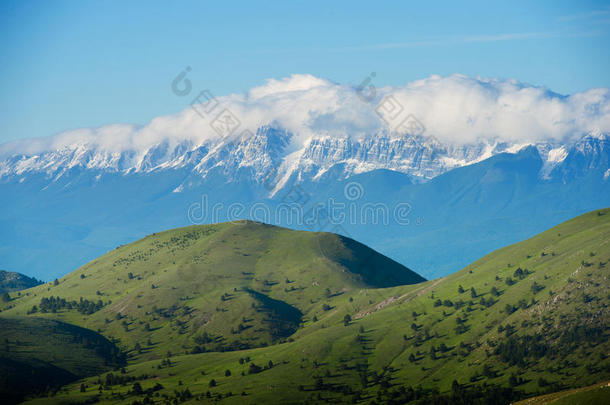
{"x":589,"y":155}
{"x":271,"y":153}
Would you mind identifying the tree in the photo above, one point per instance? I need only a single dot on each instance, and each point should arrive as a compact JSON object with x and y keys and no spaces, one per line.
{"x":137,"y":388}
{"x":6,"y":297}
{"x":347,"y":319}
{"x":473,"y":292}
{"x":56,"y":282}
{"x":228,"y":373}
{"x":495,"y":292}
{"x":212,"y":383}
{"x":83,"y":388}
{"x":519,"y":273}
{"x":536,"y":287}
{"x":460,"y":289}
{"x":254,"y":369}
{"x":512,"y":381}
{"x":455,"y":387}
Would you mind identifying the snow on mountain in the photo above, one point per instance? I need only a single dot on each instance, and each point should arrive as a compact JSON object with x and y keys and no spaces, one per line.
{"x":302,"y":128}
{"x":267,"y":156}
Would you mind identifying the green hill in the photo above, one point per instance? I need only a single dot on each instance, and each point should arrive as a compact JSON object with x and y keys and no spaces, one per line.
{"x":39,"y":354}
{"x":591,"y":395}
{"x":215,"y":287}
{"x":257,"y":314}
{"x":11,"y":281}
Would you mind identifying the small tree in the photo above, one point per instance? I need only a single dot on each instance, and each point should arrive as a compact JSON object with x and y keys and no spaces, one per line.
{"x":83,"y":388}
{"x":212,"y":383}
{"x":137,"y":388}
{"x":254,"y":369}
{"x":460,"y":289}
{"x":473,"y":292}
{"x":56,"y":282}
{"x":6,"y":297}
{"x":347,"y":319}
{"x":228,"y":373}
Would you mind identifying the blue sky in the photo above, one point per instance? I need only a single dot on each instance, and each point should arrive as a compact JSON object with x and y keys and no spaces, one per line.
{"x":68,"y":64}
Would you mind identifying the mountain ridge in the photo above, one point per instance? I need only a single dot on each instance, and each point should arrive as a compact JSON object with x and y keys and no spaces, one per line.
{"x":267,"y":153}
{"x":118,"y":207}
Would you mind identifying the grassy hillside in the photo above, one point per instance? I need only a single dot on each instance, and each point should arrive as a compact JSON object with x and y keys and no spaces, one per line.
{"x":528,"y":319}
{"x":39,"y":354}
{"x":591,"y":395}
{"x":215,"y":287}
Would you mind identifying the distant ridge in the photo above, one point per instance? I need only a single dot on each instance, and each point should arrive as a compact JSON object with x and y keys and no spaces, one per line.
{"x":12,"y":281}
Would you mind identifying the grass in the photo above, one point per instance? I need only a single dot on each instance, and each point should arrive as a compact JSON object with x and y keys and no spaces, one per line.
{"x":591,"y":395}
{"x":536,"y":321}
{"x":39,"y":353}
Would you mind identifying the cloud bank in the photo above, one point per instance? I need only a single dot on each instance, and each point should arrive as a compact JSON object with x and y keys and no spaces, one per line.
{"x":455,"y":109}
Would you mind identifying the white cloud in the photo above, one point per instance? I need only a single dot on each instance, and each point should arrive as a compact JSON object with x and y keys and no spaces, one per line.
{"x":455,"y":109}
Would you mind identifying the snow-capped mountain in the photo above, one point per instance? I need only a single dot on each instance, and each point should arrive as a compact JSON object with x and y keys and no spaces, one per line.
{"x":485,"y":172}
{"x":266,"y":157}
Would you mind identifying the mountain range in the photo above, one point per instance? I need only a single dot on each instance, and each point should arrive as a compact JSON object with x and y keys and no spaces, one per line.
{"x":482,"y":195}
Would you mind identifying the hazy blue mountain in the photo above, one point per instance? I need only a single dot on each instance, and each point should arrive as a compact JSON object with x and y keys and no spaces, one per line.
{"x":65,"y":207}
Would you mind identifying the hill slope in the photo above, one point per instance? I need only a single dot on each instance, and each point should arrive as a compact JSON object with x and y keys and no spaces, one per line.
{"x":39,"y":354}
{"x":244,"y":284}
{"x":527,"y":319}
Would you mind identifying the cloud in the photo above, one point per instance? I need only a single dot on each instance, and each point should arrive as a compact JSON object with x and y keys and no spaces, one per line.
{"x":462,"y":109}
{"x":455,"y":109}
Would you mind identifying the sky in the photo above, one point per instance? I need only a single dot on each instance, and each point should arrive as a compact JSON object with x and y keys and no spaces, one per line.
{"x":69,"y":64}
